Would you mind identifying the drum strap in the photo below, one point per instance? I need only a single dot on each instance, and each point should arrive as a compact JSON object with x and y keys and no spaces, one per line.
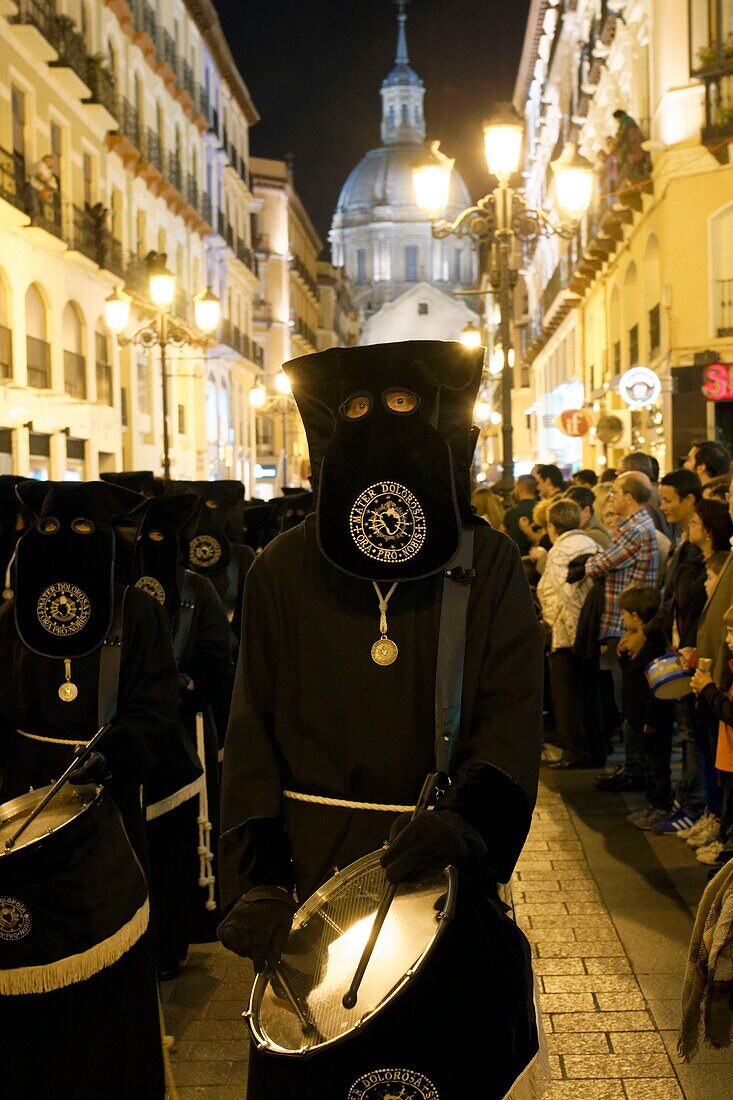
{"x":109,"y":664}
{"x":457,"y":582}
{"x":184,"y":618}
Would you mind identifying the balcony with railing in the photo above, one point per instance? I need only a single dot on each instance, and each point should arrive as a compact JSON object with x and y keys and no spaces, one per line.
{"x":38,"y":359}
{"x":12,"y":179}
{"x":302,"y":328}
{"x":297,"y":265}
{"x":75,"y":376}
{"x":6,"y":353}
{"x":724,"y":304}
{"x":262,"y":311}
{"x":245,"y":255}
{"x":105,"y":391}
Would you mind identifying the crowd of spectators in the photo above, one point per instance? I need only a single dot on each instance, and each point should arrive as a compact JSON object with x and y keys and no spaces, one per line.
{"x":628,"y":569}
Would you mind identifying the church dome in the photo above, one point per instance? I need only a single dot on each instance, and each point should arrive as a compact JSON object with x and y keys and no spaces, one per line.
{"x":383,"y":178}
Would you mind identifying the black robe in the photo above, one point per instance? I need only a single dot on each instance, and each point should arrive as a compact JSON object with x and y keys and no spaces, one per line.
{"x":179,"y":907}
{"x":312,"y":713}
{"x":101,"y":1037}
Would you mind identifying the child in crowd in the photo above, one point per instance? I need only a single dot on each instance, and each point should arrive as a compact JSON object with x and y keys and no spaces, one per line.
{"x":713,"y":568}
{"x":648,"y":716}
{"x":720,"y":850}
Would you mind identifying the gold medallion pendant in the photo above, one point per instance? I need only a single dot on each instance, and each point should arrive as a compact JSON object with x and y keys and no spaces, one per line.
{"x":384,"y":651}
{"x":68,"y":691}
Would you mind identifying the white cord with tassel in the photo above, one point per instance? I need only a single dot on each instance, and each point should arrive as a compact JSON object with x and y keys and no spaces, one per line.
{"x":206,"y":872}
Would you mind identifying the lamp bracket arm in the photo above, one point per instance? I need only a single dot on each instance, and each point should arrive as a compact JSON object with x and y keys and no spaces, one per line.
{"x":477,"y":222}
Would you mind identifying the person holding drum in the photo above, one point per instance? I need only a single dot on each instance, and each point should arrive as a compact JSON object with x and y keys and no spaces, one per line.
{"x":78,"y":654}
{"x":390,"y":635}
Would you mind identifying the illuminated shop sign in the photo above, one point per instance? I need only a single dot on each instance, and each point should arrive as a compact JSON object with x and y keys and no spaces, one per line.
{"x":718,"y":384}
{"x":639,"y":386}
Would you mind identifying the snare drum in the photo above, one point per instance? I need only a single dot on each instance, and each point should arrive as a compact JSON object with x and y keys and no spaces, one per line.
{"x":73,"y":896}
{"x":669,"y":677}
{"x":445,"y":1003}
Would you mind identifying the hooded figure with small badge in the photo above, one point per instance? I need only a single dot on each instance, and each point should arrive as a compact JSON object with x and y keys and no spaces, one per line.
{"x":182,"y":792}
{"x":350,"y":628}
{"x":78,"y":651}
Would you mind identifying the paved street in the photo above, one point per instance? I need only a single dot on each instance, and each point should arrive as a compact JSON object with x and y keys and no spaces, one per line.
{"x":609,"y":913}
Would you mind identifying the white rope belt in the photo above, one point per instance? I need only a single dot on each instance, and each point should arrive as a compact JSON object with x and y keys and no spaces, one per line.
{"x":344,"y":804}
{"x":52,"y":740}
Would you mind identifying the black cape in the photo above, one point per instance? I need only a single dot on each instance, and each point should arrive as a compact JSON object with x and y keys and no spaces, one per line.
{"x":312,"y":713}
{"x":116,"y":1011}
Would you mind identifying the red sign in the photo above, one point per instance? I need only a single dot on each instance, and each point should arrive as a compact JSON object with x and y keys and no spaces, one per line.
{"x":718,"y":385}
{"x":575,"y":422}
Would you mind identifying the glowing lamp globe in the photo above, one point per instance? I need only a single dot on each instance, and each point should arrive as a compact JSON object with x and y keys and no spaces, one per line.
{"x":431,"y":176}
{"x":282,"y":384}
{"x":258,"y":396}
{"x":162,"y":284}
{"x":573,"y":182}
{"x":117,"y":311}
{"x":471,"y":336}
{"x":503,"y":134}
{"x":207,"y":310}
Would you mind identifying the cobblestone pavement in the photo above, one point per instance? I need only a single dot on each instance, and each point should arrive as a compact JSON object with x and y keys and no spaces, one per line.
{"x":608,"y":912}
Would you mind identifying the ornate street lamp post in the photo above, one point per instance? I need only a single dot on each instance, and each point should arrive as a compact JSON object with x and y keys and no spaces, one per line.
{"x":260,"y":399}
{"x":500,"y":218}
{"x":165,"y":330}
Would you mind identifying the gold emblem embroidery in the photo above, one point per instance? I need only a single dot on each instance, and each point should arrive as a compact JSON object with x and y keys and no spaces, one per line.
{"x":151,"y":587}
{"x":387,"y":523}
{"x":204,"y":551}
{"x":15,"y":920}
{"x":63,"y":609}
{"x":393,"y":1084}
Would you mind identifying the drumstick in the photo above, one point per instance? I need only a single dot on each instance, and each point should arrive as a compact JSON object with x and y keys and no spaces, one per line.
{"x":350,"y":997}
{"x":305,"y":1023}
{"x":83,"y":752}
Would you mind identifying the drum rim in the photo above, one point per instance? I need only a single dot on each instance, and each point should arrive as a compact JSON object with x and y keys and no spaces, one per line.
{"x":265,"y":1045}
{"x":82,"y":788}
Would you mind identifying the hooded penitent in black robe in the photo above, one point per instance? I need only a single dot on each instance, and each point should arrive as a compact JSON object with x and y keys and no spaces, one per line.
{"x":313,"y":713}
{"x":101,"y":1036}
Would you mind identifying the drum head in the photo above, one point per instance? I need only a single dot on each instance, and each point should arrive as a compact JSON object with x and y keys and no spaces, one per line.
{"x":324,"y":948}
{"x":676,"y":686}
{"x":68,"y":804}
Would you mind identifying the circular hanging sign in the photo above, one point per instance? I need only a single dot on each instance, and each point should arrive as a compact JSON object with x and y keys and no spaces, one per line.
{"x":610,"y":429}
{"x":574,"y":422}
{"x":639,"y":386}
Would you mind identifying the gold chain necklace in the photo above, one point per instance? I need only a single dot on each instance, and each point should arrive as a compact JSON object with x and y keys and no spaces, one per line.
{"x":384,"y":650}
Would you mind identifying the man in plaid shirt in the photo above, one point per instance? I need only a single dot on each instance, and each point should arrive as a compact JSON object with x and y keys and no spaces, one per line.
{"x":631,"y":559}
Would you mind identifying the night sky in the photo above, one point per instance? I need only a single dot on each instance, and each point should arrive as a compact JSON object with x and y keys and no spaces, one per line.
{"x":314,"y":68}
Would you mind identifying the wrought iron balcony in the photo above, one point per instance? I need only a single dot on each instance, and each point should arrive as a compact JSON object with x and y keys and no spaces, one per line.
{"x":297,"y":265}
{"x":12,"y":179}
{"x":165,"y":48}
{"x":144,"y":19}
{"x":69,"y":45}
{"x":718,"y":129}
{"x":101,"y":83}
{"x":39,"y":14}
{"x":174,"y":171}
{"x":191,"y":191}
{"x":130,"y":124}
{"x":245,"y":255}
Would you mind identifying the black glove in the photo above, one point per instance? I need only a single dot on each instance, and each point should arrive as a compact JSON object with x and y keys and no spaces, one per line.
{"x":94,"y":769}
{"x":258,"y":925}
{"x":433,"y":840}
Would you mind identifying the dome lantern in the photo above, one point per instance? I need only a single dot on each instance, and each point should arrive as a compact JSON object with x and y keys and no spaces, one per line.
{"x":403,"y":93}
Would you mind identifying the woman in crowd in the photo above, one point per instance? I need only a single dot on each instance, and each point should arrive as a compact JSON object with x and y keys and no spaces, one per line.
{"x":710,"y":527}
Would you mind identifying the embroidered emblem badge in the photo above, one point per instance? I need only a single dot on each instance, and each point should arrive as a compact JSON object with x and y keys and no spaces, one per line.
{"x":151,"y":587}
{"x":63,"y":609}
{"x":204,"y":551}
{"x":15,"y":920}
{"x":387,"y":523}
{"x":393,"y":1084}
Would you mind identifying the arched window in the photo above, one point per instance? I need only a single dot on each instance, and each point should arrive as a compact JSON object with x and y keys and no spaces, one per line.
{"x":103,"y":365}
{"x":391,"y":115}
{"x":404,"y":116}
{"x":614,"y":324}
{"x":38,"y":352}
{"x":416,"y":115}
{"x":75,"y":382}
{"x":652,"y":291}
{"x":225,"y":415}
{"x":6,"y":335}
{"x":212,"y":414}
{"x":631,"y":315}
